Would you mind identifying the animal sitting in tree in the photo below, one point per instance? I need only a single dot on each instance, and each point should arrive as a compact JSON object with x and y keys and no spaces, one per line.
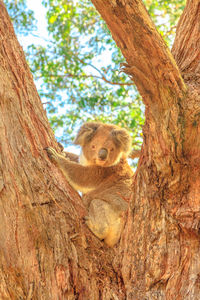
{"x":102,"y":174}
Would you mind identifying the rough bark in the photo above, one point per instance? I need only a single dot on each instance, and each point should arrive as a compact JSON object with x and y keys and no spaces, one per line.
{"x":46,"y":251}
{"x":160,"y":259}
{"x":187,"y":44}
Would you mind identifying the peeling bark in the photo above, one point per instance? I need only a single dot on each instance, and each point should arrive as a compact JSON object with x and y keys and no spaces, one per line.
{"x":46,"y":251}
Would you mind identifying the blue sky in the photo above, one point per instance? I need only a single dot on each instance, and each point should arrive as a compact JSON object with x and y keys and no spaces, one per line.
{"x":39,"y":12}
{"x":39,"y":38}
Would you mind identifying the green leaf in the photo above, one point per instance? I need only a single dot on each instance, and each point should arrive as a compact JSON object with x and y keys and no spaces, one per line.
{"x":78,"y":69}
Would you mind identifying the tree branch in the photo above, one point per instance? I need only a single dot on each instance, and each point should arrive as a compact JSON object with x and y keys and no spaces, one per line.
{"x":92,"y":76}
{"x":149,"y":61}
{"x":186,"y":48}
{"x":101,"y":74}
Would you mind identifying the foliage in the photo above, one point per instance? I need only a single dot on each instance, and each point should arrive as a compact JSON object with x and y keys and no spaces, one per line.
{"x":165,"y":15}
{"x":79,"y":67}
{"x":22,"y":17}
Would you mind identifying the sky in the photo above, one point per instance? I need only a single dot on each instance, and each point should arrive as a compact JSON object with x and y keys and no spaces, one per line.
{"x":39,"y":12}
{"x":39,"y":37}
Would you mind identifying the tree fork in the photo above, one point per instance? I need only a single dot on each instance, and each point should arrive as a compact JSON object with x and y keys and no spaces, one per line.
{"x":46,"y":250}
{"x":165,"y":221}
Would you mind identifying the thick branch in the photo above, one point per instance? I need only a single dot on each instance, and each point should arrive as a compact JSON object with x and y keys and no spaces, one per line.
{"x":149,"y":62}
{"x":186,"y":48}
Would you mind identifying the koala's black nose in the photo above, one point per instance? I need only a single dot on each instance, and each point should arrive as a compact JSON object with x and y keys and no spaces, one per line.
{"x":103,"y":153}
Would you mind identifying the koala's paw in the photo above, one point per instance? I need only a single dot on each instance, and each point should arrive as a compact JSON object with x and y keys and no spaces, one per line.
{"x":52,"y":154}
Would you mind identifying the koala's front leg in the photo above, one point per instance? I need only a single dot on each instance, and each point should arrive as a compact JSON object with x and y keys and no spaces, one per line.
{"x":82,"y":178}
{"x":65,"y":165}
{"x":71,"y":156}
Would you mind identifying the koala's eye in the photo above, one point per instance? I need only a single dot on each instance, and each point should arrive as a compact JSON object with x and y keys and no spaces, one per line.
{"x":93,"y":147}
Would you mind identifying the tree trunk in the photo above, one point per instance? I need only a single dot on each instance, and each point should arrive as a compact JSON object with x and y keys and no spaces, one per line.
{"x":46,"y":250}
{"x":160,"y":256}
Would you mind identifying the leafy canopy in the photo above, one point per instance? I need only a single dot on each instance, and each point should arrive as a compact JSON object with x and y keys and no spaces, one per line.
{"x":22,"y":17}
{"x":78,"y":66}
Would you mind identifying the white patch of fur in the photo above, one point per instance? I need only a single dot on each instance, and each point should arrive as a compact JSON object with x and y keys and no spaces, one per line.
{"x":83,"y":160}
{"x":118,"y":159}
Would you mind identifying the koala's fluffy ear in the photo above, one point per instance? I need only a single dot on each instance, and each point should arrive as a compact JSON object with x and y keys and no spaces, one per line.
{"x":86,"y":133}
{"x":122,"y":139}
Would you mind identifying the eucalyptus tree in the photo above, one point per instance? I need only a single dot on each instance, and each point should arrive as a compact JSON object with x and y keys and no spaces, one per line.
{"x":78,"y":67}
{"x":46,"y":250}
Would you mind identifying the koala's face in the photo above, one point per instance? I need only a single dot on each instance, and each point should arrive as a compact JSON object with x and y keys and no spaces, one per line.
{"x":102,"y":144}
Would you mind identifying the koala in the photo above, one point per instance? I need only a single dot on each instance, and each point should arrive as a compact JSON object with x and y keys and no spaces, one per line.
{"x":102,"y":174}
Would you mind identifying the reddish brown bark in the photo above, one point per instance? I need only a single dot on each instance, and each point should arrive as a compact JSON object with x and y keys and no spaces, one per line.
{"x":163,"y":224}
{"x":187,"y":44}
{"x":46,"y":251}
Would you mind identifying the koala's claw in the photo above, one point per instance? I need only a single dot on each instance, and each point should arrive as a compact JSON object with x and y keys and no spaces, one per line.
{"x":52,"y":154}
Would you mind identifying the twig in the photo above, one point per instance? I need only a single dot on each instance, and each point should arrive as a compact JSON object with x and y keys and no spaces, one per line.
{"x":91,"y":76}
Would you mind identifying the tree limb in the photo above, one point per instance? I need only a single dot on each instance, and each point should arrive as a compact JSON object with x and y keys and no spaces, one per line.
{"x":102,"y":76}
{"x":149,"y":61}
{"x":186,"y":48}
